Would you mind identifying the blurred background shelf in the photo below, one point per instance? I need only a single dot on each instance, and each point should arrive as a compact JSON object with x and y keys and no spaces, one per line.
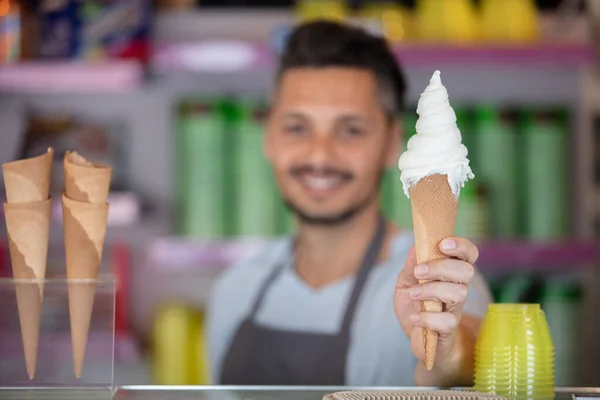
{"x":138,"y":96}
{"x":226,"y":56}
{"x":71,"y":77}
{"x":179,"y":255}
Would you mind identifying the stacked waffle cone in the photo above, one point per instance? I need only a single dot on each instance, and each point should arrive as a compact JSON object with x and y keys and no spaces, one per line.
{"x":85,"y":211}
{"x":27,"y":214}
{"x":434,"y":208}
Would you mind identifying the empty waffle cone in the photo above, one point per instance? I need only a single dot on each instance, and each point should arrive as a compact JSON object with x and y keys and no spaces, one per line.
{"x":28,"y":180}
{"x":434,"y":209}
{"x":85,"y":229}
{"x":27,"y":225}
{"x":86,"y":181}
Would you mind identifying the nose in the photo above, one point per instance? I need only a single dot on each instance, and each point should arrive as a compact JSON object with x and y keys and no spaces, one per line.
{"x":321,"y":150}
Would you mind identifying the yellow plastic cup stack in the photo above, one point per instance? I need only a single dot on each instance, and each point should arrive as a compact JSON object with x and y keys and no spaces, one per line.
{"x":514,"y":354}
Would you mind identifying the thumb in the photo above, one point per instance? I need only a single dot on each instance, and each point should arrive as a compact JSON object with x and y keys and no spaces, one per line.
{"x":407,"y":276}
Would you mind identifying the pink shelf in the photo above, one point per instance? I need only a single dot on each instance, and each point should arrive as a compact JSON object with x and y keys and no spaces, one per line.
{"x":563,"y":55}
{"x":231,"y":56}
{"x":110,"y":76}
{"x":180,"y":254}
{"x":531,"y":256}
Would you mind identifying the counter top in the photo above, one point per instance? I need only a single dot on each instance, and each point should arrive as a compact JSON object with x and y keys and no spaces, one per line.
{"x":221,"y":393}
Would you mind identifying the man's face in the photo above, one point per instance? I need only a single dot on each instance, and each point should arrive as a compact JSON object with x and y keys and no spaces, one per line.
{"x":328,"y":140}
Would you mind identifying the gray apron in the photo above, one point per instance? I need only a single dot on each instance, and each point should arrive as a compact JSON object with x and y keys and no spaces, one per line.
{"x":266,"y":356}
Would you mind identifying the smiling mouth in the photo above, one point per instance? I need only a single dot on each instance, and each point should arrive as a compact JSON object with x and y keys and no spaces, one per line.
{"x":322,"y":183}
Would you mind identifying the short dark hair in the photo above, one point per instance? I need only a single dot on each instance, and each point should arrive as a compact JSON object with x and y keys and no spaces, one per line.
{"x":322,"y":44}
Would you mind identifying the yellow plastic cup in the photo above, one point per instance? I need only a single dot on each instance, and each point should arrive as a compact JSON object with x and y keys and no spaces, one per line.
{"x":514,"y":355}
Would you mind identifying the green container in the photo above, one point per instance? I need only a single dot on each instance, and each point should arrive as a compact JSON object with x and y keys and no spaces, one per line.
{"x":200,"y":172}
{"x":561,"y":301}
{"x":495,"y":157}
{"x":545,"y":174}
{"x":473,"y":217}
{"x":394,"y":203}
{"x":255,"y":197}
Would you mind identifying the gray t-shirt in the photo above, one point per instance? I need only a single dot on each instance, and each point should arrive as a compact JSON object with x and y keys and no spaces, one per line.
{"x":379,"y":353}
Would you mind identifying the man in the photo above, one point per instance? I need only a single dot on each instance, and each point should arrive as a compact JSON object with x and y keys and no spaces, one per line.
{"x":339,"y":303}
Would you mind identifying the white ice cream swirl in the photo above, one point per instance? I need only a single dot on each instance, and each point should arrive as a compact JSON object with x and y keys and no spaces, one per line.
{"x":437,"y":146}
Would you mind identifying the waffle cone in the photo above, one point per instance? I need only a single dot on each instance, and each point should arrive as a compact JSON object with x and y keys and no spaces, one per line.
{"x":434,"y":209}
{"x":28,"y":180}
{"x":85,"y":229}
{"x":85,"y":181}
{"x":29,"y":306}
{"x":27,"y":225}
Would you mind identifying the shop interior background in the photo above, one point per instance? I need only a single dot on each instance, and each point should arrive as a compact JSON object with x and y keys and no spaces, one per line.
{"x":172,"y":94}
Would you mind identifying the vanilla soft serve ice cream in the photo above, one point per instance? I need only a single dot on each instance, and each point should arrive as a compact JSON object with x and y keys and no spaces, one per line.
{"x":437,"y":146}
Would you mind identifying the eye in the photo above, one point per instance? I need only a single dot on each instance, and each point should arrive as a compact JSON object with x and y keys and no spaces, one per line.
{"x":296,"y":129}
{"x":352,"y":131}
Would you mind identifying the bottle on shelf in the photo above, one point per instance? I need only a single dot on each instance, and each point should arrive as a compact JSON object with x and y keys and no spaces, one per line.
{"x":444,"y":21}
{"x":309,"y":10}
{"x":255,"y":198}
{"x":545,"y":173}
{"x":10,"y":31}
{"x":495,"y":163}
{"x":386,"y":18}
{"x":508,"y":21}
{"x":179,"y":348}
{"x":200,"y":172}
{"x":561,"y":301}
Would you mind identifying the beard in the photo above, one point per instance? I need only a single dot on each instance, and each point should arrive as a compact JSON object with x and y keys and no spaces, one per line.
{"x":337,"y":218}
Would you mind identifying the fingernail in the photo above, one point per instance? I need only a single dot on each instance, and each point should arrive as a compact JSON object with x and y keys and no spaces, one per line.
{"x":414,"y":292}
{"x":421,"y":270}
{"x":448,"y":244}
{"x":414,"y":317}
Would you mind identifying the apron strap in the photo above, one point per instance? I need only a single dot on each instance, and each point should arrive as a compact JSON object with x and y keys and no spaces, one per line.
{"x":369,"y":261}
{"x":267,"y":283}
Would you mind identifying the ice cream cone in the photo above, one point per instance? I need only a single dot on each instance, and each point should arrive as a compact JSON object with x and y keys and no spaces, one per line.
{"x":85,"y":228}
{"x":28,"y":180}
{"x":86,"y":181}
{"x":27,"y":225}
{"x":433,"y":169}
{"x":434,"y":209}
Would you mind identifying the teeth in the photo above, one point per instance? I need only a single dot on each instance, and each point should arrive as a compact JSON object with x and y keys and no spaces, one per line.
{"x":322,"y":183}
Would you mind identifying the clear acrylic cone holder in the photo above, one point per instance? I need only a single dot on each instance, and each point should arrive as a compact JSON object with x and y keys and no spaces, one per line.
{"x":43,"y":344}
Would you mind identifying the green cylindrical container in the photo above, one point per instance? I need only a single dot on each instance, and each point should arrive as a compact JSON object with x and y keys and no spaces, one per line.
{"x":473,"y":219}
{"x":255,"y":197}
{"x":561,"y":301}
{"x":233,"y":118}
{"x":495,"y":158}
{"x":545,"y":172}
{"x":400,"y":210}
{"x":464,"y":121}
{"x":200,"y":173}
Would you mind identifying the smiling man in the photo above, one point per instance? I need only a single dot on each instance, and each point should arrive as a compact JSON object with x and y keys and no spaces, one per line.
{"x":338,"y":303}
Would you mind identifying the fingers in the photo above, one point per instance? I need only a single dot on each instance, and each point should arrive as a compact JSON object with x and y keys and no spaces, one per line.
{"x":460,"y":248}
{"x":451,"y":294}
{"x":445,"y":323}
{"x":448,"y":270}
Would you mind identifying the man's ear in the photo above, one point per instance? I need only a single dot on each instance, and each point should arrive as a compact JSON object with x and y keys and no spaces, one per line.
{"x":395,"y":141}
